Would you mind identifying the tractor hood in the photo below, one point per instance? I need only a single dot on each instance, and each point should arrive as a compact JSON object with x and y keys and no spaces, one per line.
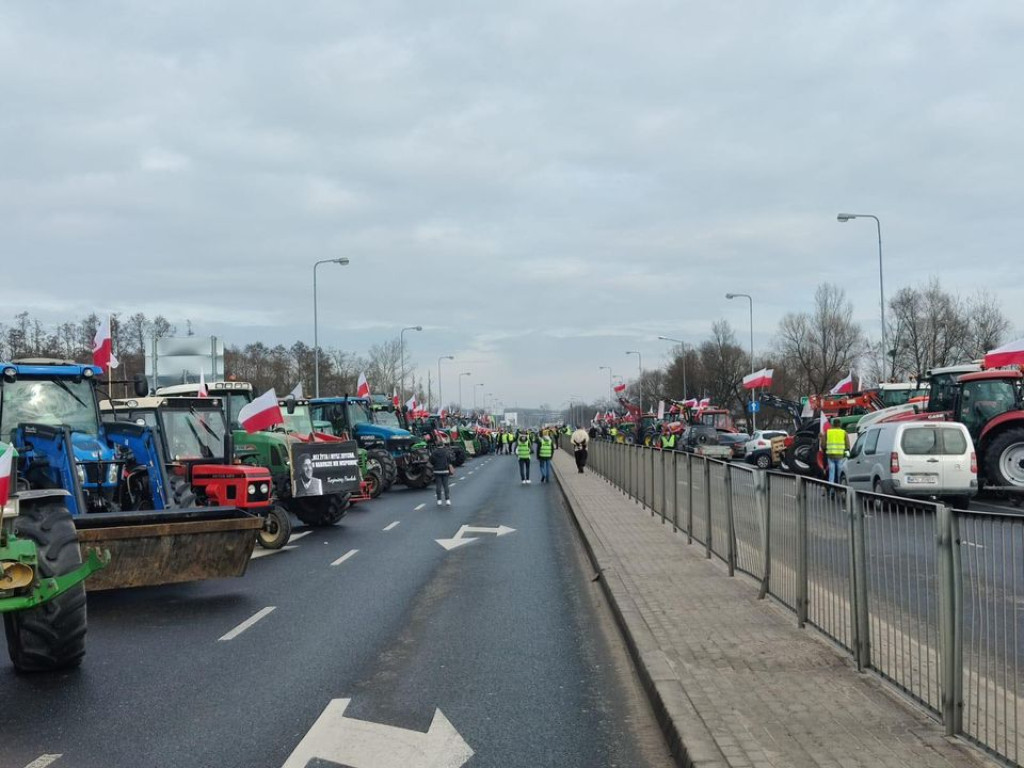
{"x":88,"y":448}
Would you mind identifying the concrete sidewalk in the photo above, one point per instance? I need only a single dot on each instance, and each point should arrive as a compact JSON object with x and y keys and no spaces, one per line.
{"x":732,"y":679}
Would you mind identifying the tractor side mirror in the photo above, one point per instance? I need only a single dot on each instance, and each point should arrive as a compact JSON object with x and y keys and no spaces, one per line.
{"x":289,"y":405}
{"x":141,"y":385}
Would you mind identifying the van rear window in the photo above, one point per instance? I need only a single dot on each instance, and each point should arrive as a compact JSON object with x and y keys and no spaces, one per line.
{"x":933,"y":441}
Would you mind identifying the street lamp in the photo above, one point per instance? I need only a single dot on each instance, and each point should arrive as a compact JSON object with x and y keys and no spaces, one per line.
{"x":683,"y":344}
{"x":467,"y":373}
{"x":440,"y":400}
{"x":474,"y":394}
{"x":640,"y":378}
{"x":747,"y":296}
{"x":611,"y":397}
{"x":401,"y":346}
{"x":845,"y":217}
{"x":316,"y":331}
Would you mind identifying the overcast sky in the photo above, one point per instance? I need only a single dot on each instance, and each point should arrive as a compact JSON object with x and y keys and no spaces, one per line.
{"x":541,"y":184}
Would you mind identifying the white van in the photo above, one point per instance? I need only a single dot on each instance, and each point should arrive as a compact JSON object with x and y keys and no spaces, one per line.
{"x":924,"y":459}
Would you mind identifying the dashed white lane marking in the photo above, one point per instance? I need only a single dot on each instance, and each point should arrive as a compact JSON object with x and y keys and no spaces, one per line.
{"x":392,"y":525}
{"x":345,"y":557}
{"x":418,"y":508}
{"x":471,"y":473}
{"x":972,"y":544}
{"x":247,"y":623}
{"x":260,"y":552}
{"x":454,"y":483}
{"x":44,"y":760}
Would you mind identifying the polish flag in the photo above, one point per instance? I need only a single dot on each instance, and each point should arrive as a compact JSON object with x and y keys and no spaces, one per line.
{"x":411,"y":404}
{"x":203,"y":391}
{"x":440,"y":410}
{"x":619,"y":387}
{"x":6,"y":468}
{"x":262,"y":413}
{"x":824,"y":424}
{"x":394,"y":398}
{"x":1008,"y":354}
{"x":759,"y":379}
{"x":103,"y":346}
{"x":297,"y":392}
{"x":705,"y":402}
{"x":363,"y":387}
{"x":844,"y":387}
{"x":691,"y":403}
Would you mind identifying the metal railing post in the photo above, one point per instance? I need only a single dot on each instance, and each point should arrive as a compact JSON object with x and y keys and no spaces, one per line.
{"x":860,"y":621}
{"x":663,"y":494}
{"x":675,"y":492}
{"x":689,"y":493}
{"x":707,"y":508}
{"x":801,"y":551}
{"x":762,"y":496}
{"x":947,"y":540}
{"x":730,"y":522}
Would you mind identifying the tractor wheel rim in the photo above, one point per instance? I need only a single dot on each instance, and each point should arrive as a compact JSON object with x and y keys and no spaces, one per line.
{"x":1012,"y":463}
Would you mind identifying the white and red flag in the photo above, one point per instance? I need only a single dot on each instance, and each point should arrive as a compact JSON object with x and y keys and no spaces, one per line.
{"x":704,"y":402}
{"x":103,"y":346}
{"x":363,"y":387}
{"x":203,"y":391}
{"x":411,"y":404}
{"x":394,"y":398}
{"x":262,"y":413}
{"x":844,"y":387}
{"x":6,"y":468}
{"x":619,"y":388}
{"x":297,"y":392}
{"x":1008,"y":354}
{"x":824,"y":424}
{"x":759,"y":379}
{"x":691,"y":403}
{"x":440,"y":410}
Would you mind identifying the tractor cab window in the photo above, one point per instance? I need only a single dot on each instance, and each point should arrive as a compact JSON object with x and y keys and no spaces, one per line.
{"x":193,"y":434}
{"x":386,"y":418}
{"x":358,"y":413}
{"x":942,"y":395}
{"x":982,"y":401}
{"x":48,"y":401}
{"x":236,"y":400}
{"x":299,"y":422}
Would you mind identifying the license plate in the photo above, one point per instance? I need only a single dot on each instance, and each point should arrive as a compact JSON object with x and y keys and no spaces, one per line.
{"x":922,"y":479}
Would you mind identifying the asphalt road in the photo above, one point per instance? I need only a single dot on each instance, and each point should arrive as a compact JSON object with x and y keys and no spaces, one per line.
{"x":506,"y":637}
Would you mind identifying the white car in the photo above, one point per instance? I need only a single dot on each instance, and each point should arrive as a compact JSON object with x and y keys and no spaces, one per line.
{"x":758,"y":449}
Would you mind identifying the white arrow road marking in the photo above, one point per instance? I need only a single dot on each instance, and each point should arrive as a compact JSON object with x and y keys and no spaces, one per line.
{"x":362,"y":744}
{"x":345,"y":557}
{"x":392,"y":525}
{"x":458,"y":539}
{"x":260,"y":552}
{"x":247,"y":623}
{"x":418,"y":508}
{"x":44,"y":760}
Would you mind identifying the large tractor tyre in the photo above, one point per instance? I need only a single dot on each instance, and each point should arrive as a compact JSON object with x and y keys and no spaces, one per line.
{"x":389,"y":470}
{"x":180,"y":492}
{"x":802,"y":458}
{"x":277,"y":528}
{"x":374,"y":485}
{"x":50,"y":636}
{"x":417,"y":476}
{"x":324,"y":511}
{"x":1004,"y":458}
{"x":459,"y":454}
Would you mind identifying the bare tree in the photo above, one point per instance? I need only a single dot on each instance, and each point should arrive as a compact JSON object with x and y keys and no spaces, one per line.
{"x":987,"y":326}
{"x":822,"y":346}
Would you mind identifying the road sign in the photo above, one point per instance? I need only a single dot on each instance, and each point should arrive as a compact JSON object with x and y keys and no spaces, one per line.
{"x":754,"y":406}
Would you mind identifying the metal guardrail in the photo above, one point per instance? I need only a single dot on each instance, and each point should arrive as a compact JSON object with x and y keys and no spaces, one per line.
{"x":930,"y":598}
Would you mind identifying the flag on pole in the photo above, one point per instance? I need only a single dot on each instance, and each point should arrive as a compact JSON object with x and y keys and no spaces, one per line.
{"x":691,"y":403}
{"x":440,"y":410}
{"x":262,"y":413}
{"x":823,"y":423}
{"x":661,"y":410}
{"x":1008,"y":354}
{"x":394,"y":398}
{"x":704,"y":402}
{"x":759,"y":379}
{"x":6,"y":468}
{"x":203,"y":391}
{"x":844,"y":387}
{"x":411,"y":404}
{"x":103,"y":346}
{"x":363,"y":387}
{"x":297,"y":392}
{"x":619,"y":388}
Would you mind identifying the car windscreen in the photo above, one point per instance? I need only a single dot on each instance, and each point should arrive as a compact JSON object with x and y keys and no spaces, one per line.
{"x":933,"y":441}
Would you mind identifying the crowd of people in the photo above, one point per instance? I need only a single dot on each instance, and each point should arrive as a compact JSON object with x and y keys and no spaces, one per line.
{"x":525,"y":445}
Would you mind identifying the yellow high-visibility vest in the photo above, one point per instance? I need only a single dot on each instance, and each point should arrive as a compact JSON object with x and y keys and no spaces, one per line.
{"x":835,"y":443}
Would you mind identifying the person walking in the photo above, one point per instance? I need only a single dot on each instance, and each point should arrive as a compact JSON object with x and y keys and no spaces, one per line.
{"x":441,"y":461}
{"x":835,"y":450}
{"x":523,"y":451}
{"x":580,"y":441}
{"x":545,"y":450}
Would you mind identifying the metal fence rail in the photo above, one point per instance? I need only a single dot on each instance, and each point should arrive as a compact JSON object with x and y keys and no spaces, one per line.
{"x":930,"y":598}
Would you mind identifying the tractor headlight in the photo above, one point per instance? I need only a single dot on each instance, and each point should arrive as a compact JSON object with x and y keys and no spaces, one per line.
{"x":112,"y":474}
{"x":264,"y":488}
{"x":81,"y":473}
{"x":87,"y":373}
{"x":251,"y":489}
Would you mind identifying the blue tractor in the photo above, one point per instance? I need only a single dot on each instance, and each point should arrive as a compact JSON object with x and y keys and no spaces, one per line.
{"x":114,"y":483}
{"x":402,"y":455}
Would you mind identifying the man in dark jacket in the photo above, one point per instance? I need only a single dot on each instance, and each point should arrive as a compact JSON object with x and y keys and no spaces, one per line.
{"x":441,"y":461}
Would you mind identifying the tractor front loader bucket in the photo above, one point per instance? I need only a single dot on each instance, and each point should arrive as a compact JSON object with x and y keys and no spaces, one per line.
{"x":169,"y":546}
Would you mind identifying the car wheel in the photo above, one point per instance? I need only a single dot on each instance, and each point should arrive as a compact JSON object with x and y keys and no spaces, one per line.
{"x":764,"y":461}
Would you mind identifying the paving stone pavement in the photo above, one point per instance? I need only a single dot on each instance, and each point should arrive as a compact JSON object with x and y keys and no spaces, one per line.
{"x":732,"y":679}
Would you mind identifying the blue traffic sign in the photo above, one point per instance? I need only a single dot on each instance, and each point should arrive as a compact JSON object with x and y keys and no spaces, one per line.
{"x":753,"y":406}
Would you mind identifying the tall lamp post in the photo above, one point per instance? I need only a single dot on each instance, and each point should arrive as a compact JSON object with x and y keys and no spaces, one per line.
{"x":467,"y":373}
{"x":845,"y":217}
{"x":640,"y":379}
{"x":683,"y":344}
{"x":611,"y":396}
{"x":401,"y":348}
{"x":474,"y":394}
{"x":440,"y":400}
{"x":747,"y":296}
{"x":316,"y":330}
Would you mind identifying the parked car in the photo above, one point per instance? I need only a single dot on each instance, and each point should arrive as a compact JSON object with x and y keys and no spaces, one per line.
{"x":915,"y":459}
{"x":735,"y":440}
{"x":696,"y":435}
{"x":758,"y":449}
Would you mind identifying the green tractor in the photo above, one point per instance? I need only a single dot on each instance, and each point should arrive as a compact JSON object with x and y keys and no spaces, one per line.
{"x":42,"y":597}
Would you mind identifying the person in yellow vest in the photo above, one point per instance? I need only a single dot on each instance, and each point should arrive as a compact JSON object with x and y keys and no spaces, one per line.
{"x":523,"y":451}
{"x":545,"y":450}
{"x":835,"y":450}
{"x":668,"y":441}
